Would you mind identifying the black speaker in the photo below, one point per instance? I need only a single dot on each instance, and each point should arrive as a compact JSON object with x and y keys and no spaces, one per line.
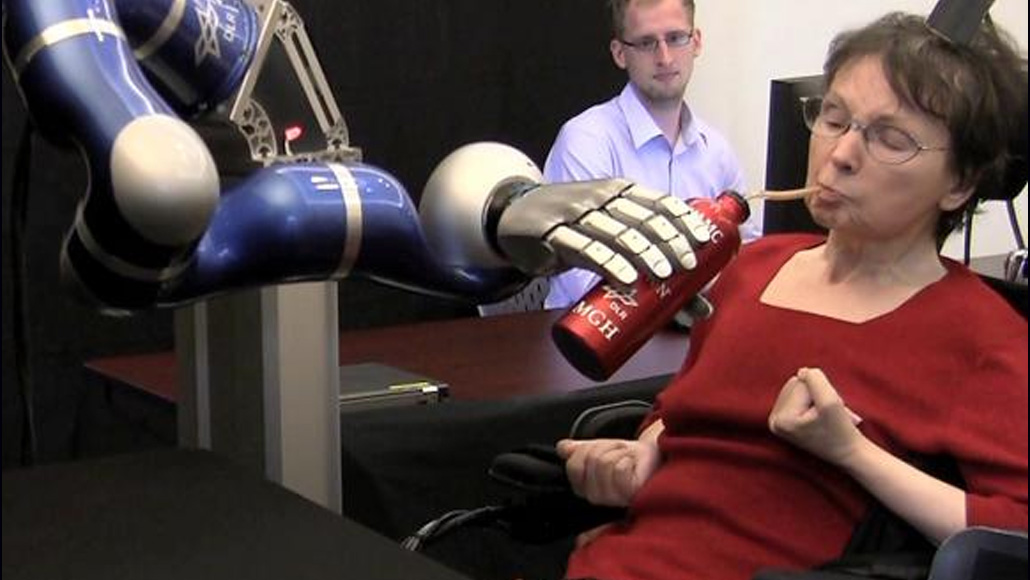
{"x":786,"y":159}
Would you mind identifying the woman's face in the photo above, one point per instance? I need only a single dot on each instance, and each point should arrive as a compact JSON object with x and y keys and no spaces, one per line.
{"x":862,"y":196}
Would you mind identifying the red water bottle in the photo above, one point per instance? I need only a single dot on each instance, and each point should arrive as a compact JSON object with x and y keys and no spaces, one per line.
{"x":609,"y":325}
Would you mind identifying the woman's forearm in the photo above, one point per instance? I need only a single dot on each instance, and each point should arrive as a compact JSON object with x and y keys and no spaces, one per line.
{"x":936,"y":508}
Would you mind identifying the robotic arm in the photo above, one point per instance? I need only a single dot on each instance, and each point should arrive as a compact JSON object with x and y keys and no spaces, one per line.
{"x":157,"y":229}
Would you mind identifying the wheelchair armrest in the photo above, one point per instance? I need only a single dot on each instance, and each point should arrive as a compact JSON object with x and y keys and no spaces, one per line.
{"x":619,"y":420}
{"x":535,"y":469}
{"x":547,"y":509}
{"x":980,"y":553}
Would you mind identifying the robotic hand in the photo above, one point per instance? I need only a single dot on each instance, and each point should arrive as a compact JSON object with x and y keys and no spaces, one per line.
{"x":480,"y":216}
{"x":581,"y":222}
{"x":157,"y":229}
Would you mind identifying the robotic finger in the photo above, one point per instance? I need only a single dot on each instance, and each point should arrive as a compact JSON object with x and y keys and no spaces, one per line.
{"x":579,"y":250}
{"x":691,"y":221}
{"x":675,"y":245}
{"x":632,"y":246}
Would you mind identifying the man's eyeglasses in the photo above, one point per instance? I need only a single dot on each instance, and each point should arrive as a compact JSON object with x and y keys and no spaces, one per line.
{"x":885,"y":143}
{"x":675,"y":39}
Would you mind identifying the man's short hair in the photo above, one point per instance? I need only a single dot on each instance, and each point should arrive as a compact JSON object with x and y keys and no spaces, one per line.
{"x":617,"y":9}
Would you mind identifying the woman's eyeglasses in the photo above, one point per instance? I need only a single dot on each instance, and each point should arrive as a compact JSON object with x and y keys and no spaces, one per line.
{"x":885,"y":143}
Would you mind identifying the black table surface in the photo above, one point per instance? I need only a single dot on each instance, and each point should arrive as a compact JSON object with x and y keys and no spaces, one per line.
{"x":186,"y":515}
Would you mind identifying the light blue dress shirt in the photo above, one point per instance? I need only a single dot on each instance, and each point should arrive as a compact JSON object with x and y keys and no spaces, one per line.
{"x":619,"y":138}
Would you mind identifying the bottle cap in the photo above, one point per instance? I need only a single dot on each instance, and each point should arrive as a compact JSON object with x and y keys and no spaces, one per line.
{"x":733,"y":206}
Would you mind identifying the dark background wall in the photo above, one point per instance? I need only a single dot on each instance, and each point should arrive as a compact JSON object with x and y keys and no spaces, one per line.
{"x":414,"y":79}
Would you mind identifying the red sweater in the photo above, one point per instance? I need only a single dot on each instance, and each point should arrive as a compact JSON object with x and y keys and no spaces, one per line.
{"x":945,"y":373}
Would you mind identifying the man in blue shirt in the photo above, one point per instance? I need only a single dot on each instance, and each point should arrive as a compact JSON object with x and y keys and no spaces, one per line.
{"x":647,"y":133}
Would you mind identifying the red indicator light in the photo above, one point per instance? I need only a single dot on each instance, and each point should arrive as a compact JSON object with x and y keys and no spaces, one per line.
{"x":293,"y":132}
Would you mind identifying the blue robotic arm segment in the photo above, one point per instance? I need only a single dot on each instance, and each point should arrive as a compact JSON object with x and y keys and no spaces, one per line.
{"x":323,"y":221}
{"x":63,"y":55}
{"x":143,"y":212}
{"x":196,"y":52}
{"x":288,"y":222}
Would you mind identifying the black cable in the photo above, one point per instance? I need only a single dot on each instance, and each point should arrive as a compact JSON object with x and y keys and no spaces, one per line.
{"x":967,"y":240}
{"x":20,"y":308}
{"x":448,"y":522}
{"x":1010,"y":205}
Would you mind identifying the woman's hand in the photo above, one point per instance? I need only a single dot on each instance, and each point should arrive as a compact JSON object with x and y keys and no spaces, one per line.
{"x":608,"y":471}
{"x":811,"y":414}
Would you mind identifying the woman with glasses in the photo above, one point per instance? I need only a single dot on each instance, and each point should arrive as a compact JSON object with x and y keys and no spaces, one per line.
{"x":647,"y":134}
{"x":833,"y":362}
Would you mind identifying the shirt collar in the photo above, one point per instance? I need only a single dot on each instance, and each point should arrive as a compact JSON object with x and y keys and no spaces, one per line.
{"x":643,"y":128}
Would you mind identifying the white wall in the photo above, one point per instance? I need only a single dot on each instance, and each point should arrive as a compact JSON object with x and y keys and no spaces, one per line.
{"x":748,"y":43}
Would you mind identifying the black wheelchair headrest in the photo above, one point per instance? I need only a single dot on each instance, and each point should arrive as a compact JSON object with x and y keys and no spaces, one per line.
{"x":959,"y":21}
{"x":1015,"y":177}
